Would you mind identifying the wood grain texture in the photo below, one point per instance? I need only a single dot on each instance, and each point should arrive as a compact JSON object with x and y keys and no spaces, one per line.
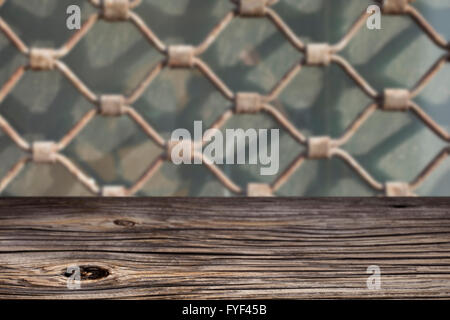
{"x":224,"y":248}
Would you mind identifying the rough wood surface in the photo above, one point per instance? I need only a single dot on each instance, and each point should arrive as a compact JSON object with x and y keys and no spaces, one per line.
{"x":224,"y":248}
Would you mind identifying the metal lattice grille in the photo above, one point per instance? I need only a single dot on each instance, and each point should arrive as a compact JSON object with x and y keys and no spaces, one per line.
{"x":186,"y":56}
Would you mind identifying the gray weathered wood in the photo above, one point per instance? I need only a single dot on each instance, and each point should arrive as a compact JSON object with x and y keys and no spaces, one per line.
{"x":224,"y":248}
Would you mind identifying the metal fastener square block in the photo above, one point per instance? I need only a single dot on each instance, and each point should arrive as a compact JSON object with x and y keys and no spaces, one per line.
{"x":116,"y":10}
{"x":395,"y":6}
{"x":181,"y":56}
{"x":259,"y":190}
{"x":318,"y":54}
{"x":396,"y":99}
{"x":44,"y":151}
{"x":181,"y":145}
{"x":248,"y":102}
{"x":113,"y":191}
{"x":319,"y":147}
{"x":112,"y":105}
{"x":42,"y":59}
{"x":252,"y":8}
{"x":397,"y":189}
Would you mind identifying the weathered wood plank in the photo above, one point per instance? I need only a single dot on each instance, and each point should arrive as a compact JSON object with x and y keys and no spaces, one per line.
{"x":224,"y":248}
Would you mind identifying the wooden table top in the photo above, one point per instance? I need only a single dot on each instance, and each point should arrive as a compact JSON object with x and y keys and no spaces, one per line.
{"x":233,"y":248}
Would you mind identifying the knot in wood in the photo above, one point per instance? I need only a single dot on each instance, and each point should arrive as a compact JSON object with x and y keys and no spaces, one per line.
{"x":181,"y":145}
{"x":259,"y":190}
{"x":319,"y":148}
{"x":181,"y":56}
{"x":398,"y":189}
{"x":318,"y":54}
{"x":124,"y":223}
{"x":395,"y":6}
{"x":42,"y":58}
{"x":112,"y":105}
{"x":113,"y":191}
{"x":89,"y":273}
{"x":252,"y":8}
{"x":116,"y":10}
{"x":44,"y":152}
{"x":248,"y":102}
{"x":396,"y":99}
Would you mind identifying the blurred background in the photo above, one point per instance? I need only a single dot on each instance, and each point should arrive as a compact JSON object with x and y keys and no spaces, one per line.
{"x":250,"y":55}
